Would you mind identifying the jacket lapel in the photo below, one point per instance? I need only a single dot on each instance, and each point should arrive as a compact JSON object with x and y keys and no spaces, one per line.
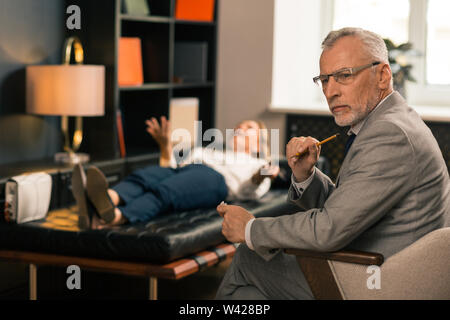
{"x":394,"y":99}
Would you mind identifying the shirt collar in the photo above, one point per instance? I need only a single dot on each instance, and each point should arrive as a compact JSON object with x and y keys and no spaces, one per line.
{"x":357,"y":127}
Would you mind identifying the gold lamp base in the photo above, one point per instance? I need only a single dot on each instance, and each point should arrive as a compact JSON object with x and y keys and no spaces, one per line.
{"x":71,"y":158}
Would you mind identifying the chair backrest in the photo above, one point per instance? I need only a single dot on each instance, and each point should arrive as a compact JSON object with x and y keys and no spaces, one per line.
{"x":420,"y":271}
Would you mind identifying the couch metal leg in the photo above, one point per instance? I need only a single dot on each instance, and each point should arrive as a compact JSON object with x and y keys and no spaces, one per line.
{"x":153,"y":288}
{"x":33,"y":282}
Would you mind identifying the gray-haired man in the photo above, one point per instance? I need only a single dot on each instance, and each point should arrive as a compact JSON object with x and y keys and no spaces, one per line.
{"x":392,"y":189}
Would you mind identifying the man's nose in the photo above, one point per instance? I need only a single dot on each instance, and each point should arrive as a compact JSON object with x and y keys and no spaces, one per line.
{"x":332,"y":89}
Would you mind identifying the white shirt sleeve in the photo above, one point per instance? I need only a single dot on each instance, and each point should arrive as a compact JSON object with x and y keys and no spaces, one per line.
{"x":300,"y":187}
{"x":248,"y":239}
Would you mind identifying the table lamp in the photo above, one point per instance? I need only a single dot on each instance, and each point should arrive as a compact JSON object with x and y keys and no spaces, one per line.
{"x":68,"y":91}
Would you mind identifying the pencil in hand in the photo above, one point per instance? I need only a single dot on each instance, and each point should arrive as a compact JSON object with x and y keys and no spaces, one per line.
{"x":319,"y":144}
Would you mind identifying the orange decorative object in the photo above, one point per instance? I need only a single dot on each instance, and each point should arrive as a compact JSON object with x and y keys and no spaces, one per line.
{"x":196,"y":10}
{"x":130,"y":62}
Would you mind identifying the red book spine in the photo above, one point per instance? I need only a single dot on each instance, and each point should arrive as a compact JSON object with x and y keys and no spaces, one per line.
{"x":121,"y":138}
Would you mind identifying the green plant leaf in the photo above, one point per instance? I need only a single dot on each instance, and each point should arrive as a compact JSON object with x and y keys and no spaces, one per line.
{"x":405,"y":46}
{"x":389,"y":44}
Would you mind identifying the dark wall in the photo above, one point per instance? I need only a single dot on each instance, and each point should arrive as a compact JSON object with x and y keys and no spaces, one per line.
{"x":31,"y":32}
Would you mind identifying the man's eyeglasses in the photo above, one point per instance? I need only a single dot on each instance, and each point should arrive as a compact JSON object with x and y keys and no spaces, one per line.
{"x":343,"y":76}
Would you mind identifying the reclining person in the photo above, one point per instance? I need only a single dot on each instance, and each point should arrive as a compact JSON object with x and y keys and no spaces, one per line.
{"x":202,"y":180}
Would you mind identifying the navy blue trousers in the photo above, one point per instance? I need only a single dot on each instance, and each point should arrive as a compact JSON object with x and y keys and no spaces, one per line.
{"x":153,"y":190}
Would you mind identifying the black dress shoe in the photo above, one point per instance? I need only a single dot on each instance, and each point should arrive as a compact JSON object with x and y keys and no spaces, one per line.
{"x":97,"y":192}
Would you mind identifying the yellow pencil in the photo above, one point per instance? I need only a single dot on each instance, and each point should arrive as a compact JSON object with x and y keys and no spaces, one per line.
{"x":318,"y":144}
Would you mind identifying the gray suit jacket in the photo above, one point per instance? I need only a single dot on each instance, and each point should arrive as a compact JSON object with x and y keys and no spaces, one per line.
{"x":393,"y":189}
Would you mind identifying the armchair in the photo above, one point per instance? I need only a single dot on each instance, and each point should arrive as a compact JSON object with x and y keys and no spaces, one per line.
{"x":420,"y":271}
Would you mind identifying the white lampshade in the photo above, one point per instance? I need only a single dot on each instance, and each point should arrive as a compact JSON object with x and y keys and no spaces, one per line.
{"x":66,"y":90}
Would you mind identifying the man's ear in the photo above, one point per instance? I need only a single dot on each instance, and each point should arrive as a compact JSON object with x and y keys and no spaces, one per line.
{"x":384,"y":77}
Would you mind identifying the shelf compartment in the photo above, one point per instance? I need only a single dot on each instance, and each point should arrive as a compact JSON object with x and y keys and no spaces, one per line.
{"x":136,"y":107}
{"x":155,"y":48}
{"x":198,"y":33}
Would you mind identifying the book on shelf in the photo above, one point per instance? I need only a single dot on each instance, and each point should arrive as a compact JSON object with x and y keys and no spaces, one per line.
{"x":130,"y":71}
{"x":136,"y":7}
{"x":183,"y":113}
{"x":195,"y":10}
{"x":155,"y":61}
{"x":120,"y":134}
{"x":191,"y":61}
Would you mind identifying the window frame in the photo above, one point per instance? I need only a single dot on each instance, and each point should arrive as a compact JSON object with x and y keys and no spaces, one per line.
{"x":419,"y":93}
{"x":431,"y":101}
{"x":422,"y":93}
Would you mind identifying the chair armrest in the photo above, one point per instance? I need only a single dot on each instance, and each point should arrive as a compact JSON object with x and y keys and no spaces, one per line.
{"x":318,"y":273}
{"x":350,"y":256}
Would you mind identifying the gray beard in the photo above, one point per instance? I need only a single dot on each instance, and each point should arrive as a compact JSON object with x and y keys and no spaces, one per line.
{"x":356,"y":118}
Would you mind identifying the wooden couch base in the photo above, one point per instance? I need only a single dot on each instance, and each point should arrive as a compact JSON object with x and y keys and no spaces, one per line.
{"x":174,"y":270}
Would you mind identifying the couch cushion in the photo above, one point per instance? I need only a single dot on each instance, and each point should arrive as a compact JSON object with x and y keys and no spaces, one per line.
{"x":161,"y":240}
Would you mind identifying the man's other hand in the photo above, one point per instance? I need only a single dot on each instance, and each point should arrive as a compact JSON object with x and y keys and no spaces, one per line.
{"x":235,"y":219}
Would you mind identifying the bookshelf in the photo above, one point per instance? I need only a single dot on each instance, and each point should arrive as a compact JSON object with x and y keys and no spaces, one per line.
{"x":103,"y":23}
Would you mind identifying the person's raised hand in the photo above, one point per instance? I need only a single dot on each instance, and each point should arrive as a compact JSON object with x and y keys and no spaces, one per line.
{"x":302,"y":166}
{"x":159,"y":132}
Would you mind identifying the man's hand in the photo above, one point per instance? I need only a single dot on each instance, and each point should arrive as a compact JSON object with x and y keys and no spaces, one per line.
{"x":235,"y":219}
{"x":303,"y":166}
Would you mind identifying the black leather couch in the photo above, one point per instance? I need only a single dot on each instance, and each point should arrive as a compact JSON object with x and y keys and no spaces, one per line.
{"x":164,"y":239}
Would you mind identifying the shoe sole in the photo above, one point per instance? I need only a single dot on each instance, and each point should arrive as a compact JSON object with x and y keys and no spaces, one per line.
{"x":97,"y":191}
{"x":78,"y":191}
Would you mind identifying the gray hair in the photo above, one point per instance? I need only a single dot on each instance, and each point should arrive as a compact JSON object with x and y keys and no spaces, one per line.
{"x":374,"y":45}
